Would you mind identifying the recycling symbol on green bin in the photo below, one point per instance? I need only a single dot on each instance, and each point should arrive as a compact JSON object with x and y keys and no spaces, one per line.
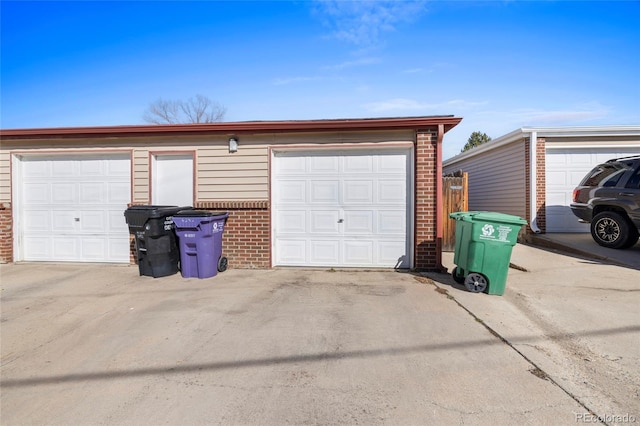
{"x":487,"y":230}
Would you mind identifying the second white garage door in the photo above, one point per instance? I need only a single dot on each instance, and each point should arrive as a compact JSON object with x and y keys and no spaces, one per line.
{"x":565,"y":168}
{"x":344,"y":209}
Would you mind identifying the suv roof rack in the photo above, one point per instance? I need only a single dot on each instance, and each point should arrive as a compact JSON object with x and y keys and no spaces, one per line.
{"x":631,"y":157}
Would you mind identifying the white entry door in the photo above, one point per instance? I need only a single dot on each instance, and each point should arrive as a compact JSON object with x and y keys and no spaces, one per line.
{"x":172,"y":180}
{"x":71,"y":208}
{"x":345,"y":209}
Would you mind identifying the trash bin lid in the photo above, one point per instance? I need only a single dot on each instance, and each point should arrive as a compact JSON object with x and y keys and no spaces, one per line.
{"x":153,"y":212}
{"x":201,"y":213}
{"x":482,"y":216}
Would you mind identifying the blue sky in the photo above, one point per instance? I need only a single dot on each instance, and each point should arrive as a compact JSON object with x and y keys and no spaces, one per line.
{"x":500,"y":65}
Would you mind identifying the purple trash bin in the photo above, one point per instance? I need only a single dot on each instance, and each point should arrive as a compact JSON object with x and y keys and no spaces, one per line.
{"x":200,"y":242}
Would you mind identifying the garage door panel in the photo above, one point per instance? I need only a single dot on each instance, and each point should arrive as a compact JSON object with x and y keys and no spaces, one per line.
{"x":392,"y":252}
{"x":36,"y":169}
{"x":358,"y":164}
{"x":358,"y":222}
{"x":63,"y":193}
{"x":291,"y":252}
{"x":323,"y":191}
{"x":324,"y":222}
{"x":94,"y":248}
{"x":65,"y":248}
{"x":291,"y":192}
{"x":324,"y":252}
{"x":36,"y":193}
{"x":392,"y":191}
{"x":118,"y":193}
{"x":323,"y":165}
{"x":37,"y":220}
{"x":63,"y":168}
{"x":93,"y":221}
{"x":40,"y":247}
{"x":392,"y":164}
{"x":357,"y":192}
{"x":115,"y":224}
{"x":63,"y":221}
{"x":72,"y":208}
{"x":92,"y":167}
{"x":292,"y":221}
{"x":392,"y":222}
{"x":291,"y":165}
{"x":355,"y":203}
{"x":92,"y":193}
{"x":358,"y":253}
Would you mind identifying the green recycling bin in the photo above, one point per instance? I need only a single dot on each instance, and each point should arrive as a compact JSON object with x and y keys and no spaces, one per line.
{"x":484,"y":241}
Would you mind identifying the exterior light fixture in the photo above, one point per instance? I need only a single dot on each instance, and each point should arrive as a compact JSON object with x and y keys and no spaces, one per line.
{"x":233,"y":145}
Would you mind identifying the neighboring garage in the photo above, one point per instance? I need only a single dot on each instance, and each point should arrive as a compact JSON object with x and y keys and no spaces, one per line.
{"x":321,"y":193}
{"x":532,"y":172}
{"x":565,"y":168}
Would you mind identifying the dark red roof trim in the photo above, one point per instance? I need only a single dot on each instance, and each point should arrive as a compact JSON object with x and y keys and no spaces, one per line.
{"x":236,"y":128}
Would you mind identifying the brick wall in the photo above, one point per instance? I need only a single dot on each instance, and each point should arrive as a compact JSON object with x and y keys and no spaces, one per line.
{"x":425,"y":201}
{"x":246,"y":240}
{"x":541,"y":196}
{"x":541,"y":187}
{"x":6,"y":233}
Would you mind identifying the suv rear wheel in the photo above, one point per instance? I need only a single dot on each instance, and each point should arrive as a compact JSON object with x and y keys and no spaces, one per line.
{"x":612,"y":230}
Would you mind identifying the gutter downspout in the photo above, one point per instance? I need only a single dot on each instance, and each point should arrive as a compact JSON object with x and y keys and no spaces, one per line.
{"x":439,"y":202}
{"x":533,"y":181}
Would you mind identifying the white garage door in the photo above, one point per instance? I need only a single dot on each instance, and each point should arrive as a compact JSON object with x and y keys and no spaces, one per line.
{"x":347,"y":209}
{"x":565,"y":168}
{"x":71,"y":208}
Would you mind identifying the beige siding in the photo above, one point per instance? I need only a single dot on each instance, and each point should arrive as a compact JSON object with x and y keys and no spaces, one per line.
{"x":243,"y":175}
{"x":496,"y":179}
{"x":140,"y":177}
{"x":5,"y":177}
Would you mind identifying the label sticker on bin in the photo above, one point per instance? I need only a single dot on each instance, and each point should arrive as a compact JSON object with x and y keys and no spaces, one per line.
{"x":495,"y":233}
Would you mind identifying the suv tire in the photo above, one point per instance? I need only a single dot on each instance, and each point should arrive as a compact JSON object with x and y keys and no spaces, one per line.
{"x":612,"y":230}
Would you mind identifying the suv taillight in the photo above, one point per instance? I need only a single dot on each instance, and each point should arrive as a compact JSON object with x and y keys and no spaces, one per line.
{"x":575,"y":195}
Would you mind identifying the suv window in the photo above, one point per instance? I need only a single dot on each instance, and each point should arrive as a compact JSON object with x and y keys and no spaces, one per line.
{"x":634,"y":181}
{"x":607,"y":174}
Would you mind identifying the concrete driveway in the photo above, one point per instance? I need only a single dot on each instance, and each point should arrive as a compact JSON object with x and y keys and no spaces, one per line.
{"x":97,"y":344}
{"x":582,"y":244}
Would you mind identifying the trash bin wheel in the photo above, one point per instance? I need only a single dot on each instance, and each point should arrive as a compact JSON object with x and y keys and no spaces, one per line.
{"x":476,"y":283}
{"x":456,"y":276}
{"x":222,"y":264}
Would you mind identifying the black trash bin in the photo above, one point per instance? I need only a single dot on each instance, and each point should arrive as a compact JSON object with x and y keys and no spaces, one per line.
{"x":155,"y":238}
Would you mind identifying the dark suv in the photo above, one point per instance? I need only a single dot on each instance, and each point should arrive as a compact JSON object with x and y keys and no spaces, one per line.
{"x":609,"y":198}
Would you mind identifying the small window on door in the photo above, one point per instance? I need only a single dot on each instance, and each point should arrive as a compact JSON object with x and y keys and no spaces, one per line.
{"x":172,"y":179}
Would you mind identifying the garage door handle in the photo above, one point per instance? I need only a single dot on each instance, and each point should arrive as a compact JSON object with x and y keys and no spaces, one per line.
{"x":340,"y":220}
{"x":77,"y":219}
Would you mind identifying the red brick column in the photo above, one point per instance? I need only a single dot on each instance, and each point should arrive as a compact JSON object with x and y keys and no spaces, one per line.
{"x":6,"y":233}
{"x":425,"y":248}
{"x":246,"y":241}
{"x":540,"y":184}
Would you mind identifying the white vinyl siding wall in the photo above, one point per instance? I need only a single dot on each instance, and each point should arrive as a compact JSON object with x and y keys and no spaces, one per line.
{"x":496,"y":179}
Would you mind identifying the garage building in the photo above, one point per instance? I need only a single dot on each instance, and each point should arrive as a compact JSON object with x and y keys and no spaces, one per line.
{"x":326,"y":193}
{"x":531,"y":172}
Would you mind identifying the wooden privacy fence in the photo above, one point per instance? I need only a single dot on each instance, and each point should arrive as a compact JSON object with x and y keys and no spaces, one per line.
{"x":455,"y":199}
